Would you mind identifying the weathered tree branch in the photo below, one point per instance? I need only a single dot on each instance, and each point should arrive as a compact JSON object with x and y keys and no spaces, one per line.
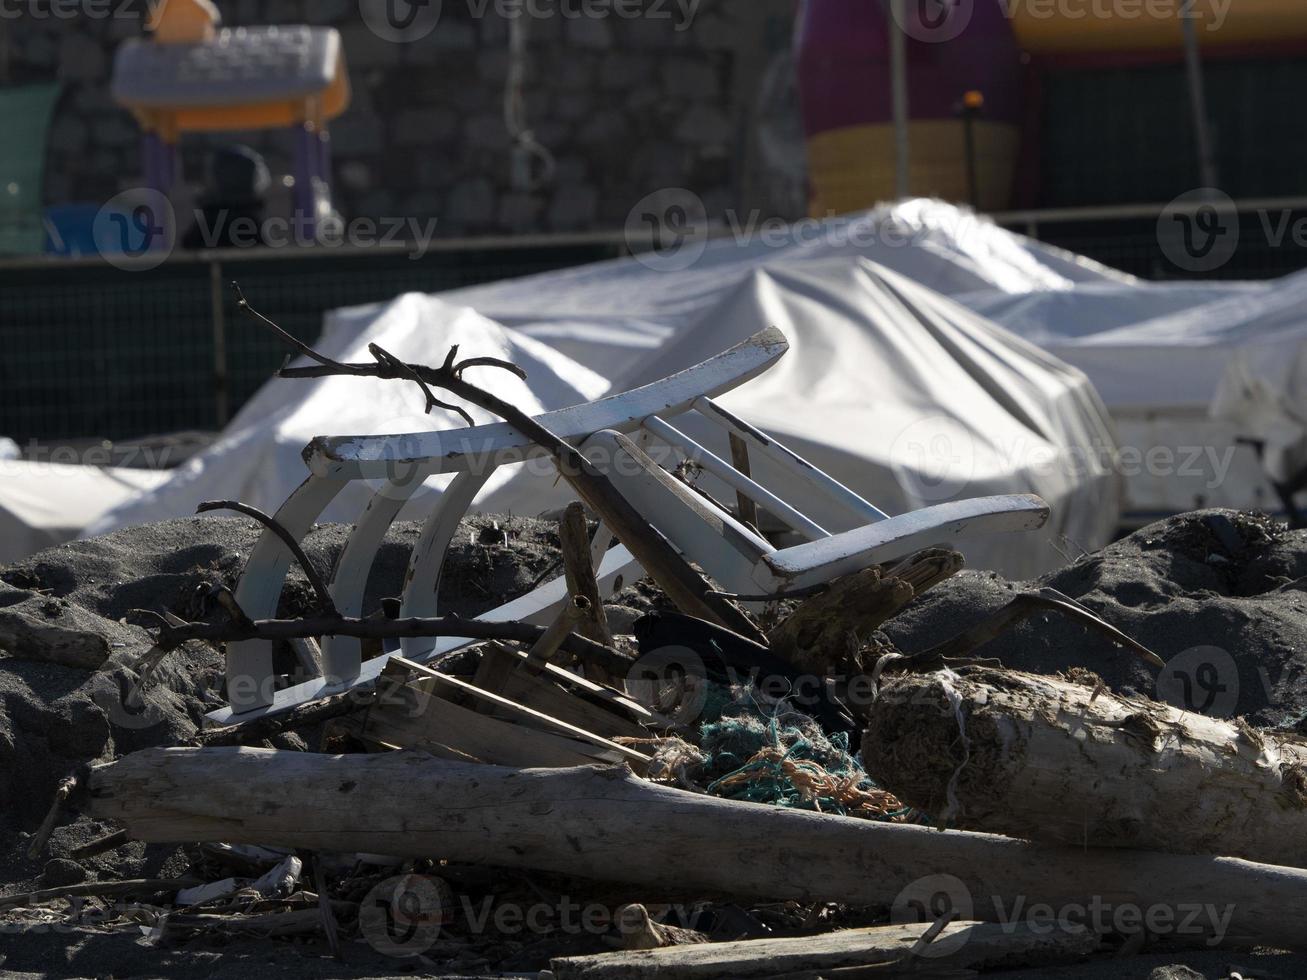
{"x":171,"y":637}
{"x":686,"y":587}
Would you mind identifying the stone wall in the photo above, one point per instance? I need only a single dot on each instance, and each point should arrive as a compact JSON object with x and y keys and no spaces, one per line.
{"x":626,"y":105}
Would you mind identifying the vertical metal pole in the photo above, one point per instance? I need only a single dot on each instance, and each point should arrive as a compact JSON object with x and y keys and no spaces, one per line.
{"x":1198,"y":98}
{"x":221,"y":397}
{"x":898,"y":51}
{"x":969,"y":136}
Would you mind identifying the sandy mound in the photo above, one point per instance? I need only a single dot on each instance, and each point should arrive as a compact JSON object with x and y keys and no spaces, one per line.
{"x":1217,"y":594}
{"x":1212,"y":588}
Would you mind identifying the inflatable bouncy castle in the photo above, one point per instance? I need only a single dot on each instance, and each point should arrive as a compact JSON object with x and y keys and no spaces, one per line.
{"x":1022,"y":103}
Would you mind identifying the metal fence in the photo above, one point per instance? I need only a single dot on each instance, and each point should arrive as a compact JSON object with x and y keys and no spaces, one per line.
{"x":1257,"y":238}
{"x":94,"y":351}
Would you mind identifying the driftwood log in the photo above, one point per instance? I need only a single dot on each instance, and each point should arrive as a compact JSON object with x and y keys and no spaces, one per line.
{"x":1058,"y":760}
{"x":959,"y":944}
{"x":604,"y":823}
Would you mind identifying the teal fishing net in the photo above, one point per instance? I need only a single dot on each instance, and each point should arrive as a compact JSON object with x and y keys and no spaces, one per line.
{"x":783,"y":758}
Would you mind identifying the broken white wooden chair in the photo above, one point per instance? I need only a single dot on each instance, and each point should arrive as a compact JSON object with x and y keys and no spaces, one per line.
{"x":733,"y":554}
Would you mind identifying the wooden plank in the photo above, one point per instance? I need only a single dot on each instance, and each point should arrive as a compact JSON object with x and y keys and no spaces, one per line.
{"x":500,"y":671}
{"x":523,"y":712}
{"x":371,"y":457}
{"x":595,"y":693}
{"x":818,"y":562}
{"x":410,"y":718}
{"x":958,"y":944}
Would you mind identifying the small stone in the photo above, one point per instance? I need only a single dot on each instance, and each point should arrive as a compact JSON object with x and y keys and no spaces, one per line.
{"x":62,"y":871}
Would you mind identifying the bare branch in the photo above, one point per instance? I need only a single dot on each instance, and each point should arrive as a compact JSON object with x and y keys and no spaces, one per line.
{"x":288,"y":539}
{"x":172,"y":637}
{"x":686,"y":587}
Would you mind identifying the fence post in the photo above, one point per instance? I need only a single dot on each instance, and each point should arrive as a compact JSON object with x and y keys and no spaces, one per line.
{"x":221,"y":395}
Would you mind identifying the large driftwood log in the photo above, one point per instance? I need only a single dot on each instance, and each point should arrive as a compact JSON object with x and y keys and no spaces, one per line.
{"x":1055,"y":760}
{"x":959,"y":944}
{"x":606,"y":824}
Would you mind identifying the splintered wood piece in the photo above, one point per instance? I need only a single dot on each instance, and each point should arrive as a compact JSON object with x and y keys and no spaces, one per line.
{"x":578,"y":567}
{"x":829,"y":627}
{"x":589,"y":690}
{"x":740,"y":460}
{"x":542,"y":693}
{"x":407,"y":717}
{"x":523,"y":712}
{"x":957,"y":944}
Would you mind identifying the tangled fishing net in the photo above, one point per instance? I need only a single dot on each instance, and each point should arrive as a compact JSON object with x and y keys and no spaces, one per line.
{"x":775,"y":756}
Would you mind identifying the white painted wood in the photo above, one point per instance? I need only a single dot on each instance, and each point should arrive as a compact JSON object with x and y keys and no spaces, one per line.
{"x":821,"y":561}
{"x":539,"y":607}
{"x":734,"y":479}
{"x":343,"y":655}
{"x":725,"y":548}
{"x":489,"y":446}
{"x":426,"y":564}
{"x":249,"y":662}
{"x":825,"y":485}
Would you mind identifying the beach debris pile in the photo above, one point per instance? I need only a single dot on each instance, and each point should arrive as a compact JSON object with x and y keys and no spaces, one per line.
{"x":656,"y":778}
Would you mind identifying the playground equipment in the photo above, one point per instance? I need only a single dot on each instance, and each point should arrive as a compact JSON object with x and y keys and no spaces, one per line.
{"x":193,"y":76}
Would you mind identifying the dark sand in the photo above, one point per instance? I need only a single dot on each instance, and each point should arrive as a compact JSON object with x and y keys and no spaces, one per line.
{"x":1207,"y":580}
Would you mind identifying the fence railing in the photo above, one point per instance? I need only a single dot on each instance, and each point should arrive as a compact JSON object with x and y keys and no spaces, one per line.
{"x":94,"y":350}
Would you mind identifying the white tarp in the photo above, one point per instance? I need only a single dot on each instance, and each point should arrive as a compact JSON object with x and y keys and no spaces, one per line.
{"x":258,"y":459}
{"x":611,"y":316}
{"x":44,"y":504}
{"x":905,"y":396}
{"x":1187,"y":371}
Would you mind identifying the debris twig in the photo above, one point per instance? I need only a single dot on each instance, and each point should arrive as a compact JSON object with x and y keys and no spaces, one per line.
{"x":325,"y":601}
{"x":325,"y":908}
{"x":171,"y":637}
{"x":686,"y":587}
{"x":1022,"y":607}
{"x":109,"y":843}
{"x":65,"y":790}
{"x":97,"y":889}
